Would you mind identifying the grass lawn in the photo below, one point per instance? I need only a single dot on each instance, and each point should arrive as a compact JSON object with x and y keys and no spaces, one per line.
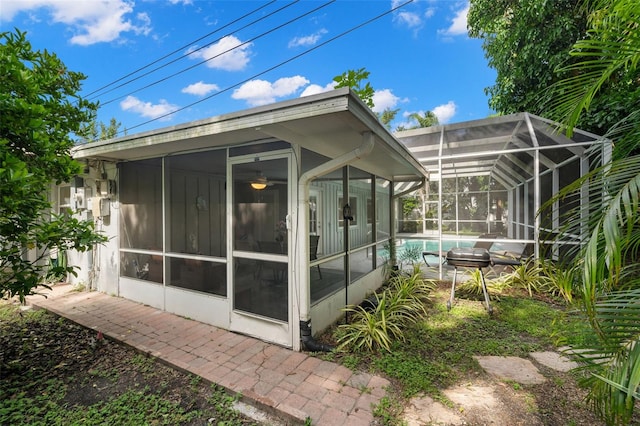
{"x":437,"y":354}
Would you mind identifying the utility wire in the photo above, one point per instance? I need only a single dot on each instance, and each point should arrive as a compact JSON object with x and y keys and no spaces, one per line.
{"x":185,"y":55}
{"x":176,"y":51}
{"x":219,"y":54}
{"x":352,"y":29}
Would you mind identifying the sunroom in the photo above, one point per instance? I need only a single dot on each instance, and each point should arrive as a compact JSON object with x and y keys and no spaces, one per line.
{"x":262,"y":222}
{"x":488,"y":179}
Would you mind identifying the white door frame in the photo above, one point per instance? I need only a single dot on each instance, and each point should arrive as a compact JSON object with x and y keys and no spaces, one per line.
{"x":273,"y":330}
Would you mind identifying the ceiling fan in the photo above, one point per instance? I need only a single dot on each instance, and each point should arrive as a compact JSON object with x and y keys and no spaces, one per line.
{"x":260,"y":181}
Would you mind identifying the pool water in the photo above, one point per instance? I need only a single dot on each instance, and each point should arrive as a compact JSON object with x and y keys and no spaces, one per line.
{"x":425,"y":245}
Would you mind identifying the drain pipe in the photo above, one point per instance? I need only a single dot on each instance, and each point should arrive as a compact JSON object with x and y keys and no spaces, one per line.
{"x":302,"y":258}
{"x":308,"y":342}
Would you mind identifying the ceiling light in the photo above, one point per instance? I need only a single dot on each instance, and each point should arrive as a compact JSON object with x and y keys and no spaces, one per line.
{"x":259,"y":182}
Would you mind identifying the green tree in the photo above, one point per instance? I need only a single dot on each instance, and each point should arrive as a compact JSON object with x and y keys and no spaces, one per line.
{"x":40,"y":112}
{"x":387,"y":116}
{"x":355,"y":79}
{"x":427,"y":120}
{"x":524,"y":41}
{"x":608,"y":259}
{"x":99,"y":131}
{"x":528,"y":43}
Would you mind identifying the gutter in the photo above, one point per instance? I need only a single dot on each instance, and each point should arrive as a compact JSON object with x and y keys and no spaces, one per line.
{"x":304,"y":297}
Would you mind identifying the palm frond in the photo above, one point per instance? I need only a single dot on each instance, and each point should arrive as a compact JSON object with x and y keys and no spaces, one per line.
{"x":611,"y":49}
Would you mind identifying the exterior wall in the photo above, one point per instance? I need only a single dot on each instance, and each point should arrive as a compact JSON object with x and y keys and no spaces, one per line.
{"x":329,"y":310}
{"x":98,"y":268}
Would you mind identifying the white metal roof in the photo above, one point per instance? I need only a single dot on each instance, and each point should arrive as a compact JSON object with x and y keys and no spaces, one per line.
{"x":504,"y":147}
{"x":330,"y":123}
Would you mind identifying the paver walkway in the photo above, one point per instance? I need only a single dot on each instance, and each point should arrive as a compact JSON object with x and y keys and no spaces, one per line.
{"x":291,"y":385}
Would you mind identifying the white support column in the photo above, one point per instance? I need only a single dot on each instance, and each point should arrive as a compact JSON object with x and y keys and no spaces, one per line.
{"x":555,"y":211}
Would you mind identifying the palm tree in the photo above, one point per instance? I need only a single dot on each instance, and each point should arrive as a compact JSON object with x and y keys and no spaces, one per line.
{"x":610,"y":280}
{"x":387,"y":116}
{"x":427,"y":120}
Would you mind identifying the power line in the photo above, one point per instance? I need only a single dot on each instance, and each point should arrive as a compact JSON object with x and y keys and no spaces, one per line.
{"x":219,"y":54}
{"x":352,"y":29}
{"x":88,"y":96}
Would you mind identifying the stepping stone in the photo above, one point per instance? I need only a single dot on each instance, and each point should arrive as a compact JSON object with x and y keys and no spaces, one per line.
{"x":425,"y":410}
{"x":554,"y":360}
{"x":511,"y":368}
{"x":473,"y":397}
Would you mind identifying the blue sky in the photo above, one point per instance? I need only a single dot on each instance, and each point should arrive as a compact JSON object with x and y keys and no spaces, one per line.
{"x":205,"y":58}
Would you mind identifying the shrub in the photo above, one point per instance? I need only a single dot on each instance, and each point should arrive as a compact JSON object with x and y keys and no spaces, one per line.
{"x":401,"y":303}
{"x":528,"y":276}
{"x":473,"y":286}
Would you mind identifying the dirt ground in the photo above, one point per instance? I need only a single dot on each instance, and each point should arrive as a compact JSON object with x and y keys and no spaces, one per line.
{"x":94,"y":369}
{"x":97,"y":369}
{"x":483,"y":400}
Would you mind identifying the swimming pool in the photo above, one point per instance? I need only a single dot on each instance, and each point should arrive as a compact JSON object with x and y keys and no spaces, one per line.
{"x":424,"y":245}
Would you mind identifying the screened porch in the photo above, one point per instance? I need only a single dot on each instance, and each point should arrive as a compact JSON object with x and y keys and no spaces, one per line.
{"x":488,"y":179}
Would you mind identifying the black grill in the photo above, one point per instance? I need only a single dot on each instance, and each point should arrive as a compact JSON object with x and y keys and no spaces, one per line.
{"x":469,"y":258}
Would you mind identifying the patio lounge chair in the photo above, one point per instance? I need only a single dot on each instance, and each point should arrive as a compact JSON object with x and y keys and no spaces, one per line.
{"x":506,"y":254}
{"x":478,"y":245}
{"x":511,"y":256}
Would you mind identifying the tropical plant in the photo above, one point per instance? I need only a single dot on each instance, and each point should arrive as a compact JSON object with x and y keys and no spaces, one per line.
{"x":409,"y":255}
{"x":411,"y":287}
{"x":400,"y":304}
{"x":609,"y":287}
{"x":559,"y":279}
{"x":369,"y":330}
{"x":99,"y":131}
{"x":427,"y":119}
{"x":354,"y":79}
{"x":40,"y":112}
{"x":529,"y":276}
{"x":473,"y":285}
{"x":387,"y":116}
{"x":527,"y":42}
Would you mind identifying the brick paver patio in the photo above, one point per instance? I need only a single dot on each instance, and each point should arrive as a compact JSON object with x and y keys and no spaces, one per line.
{"x":291,"y":385}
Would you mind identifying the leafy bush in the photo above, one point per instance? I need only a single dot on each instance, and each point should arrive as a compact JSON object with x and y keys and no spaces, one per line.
{"x":560,"y":281}
{"x":473,"y":286}
{"x":529,"y":276}
{"x":401,"y":303}
{"x":409,"y":255}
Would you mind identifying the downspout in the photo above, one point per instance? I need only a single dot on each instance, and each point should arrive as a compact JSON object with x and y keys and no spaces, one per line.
{"x":304,"y":297}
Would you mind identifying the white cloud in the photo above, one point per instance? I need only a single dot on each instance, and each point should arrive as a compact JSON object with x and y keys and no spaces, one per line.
{"x":262,"y":92}
{"x":11,"y":8}
{"x":309,"y":40}
{"x":429,"y":12}
{"x":228,"y":54}
{"x":410,"y":19}
{"x":314,"y":89}
{"x":458,"y":23}
{"x":90,"y":21}
{"x":200,"y":88}
{"x":147,"y":109}
{"x":383,"y":99}
{"x":445,"y":112}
